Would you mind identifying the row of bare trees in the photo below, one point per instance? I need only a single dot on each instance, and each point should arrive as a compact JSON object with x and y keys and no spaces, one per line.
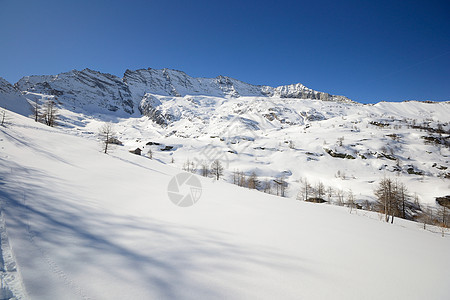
{"x":214,"y":170}
{"x":46,"y":113}
{"x":277,"y":186}
{"x":393,"y":199}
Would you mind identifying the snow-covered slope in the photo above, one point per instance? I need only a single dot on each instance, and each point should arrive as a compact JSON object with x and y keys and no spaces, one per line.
{"x":11,"y":98}
{"x":258,"y":128}
{"x":298,"y":139}
{"x":87,"y":225}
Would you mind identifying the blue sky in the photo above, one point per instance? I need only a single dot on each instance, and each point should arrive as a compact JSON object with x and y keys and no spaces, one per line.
{"x":366,"y":50}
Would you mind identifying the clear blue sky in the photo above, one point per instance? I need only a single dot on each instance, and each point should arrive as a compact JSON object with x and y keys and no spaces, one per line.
{"x":366,"y":50}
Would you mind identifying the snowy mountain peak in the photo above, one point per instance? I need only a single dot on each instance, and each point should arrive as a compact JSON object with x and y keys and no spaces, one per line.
{"x":102,"y":92}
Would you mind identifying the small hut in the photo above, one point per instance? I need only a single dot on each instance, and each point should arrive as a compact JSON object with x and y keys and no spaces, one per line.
{"x":136,"y":151}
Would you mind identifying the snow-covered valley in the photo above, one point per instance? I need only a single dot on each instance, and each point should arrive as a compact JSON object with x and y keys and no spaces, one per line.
{"x":84,"y":224}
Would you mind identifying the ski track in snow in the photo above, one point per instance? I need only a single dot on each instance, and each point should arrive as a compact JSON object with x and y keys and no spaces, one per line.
{"x":53,"y":267}
{"x":11,"y":280}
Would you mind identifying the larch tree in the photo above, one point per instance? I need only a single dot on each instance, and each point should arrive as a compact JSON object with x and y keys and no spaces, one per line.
{"x":267,"y":186}
{"x":340,"y":197}
{"x":253,"y":181}
{"x":50,"y":113}
{"x":350,"y":200}
{"x":242,"y":179}
{"x":217,"y":169}
{"x":387,"y":198}
{"x":36,"y":109}
{"x":205,"y":170}
{"x":3,"y":117}
{"x":319,"y":190}
{"x":281,"y":186}
{"x":403,"y":197}
{"x":305,"y":190}
{"x":107,"y":136}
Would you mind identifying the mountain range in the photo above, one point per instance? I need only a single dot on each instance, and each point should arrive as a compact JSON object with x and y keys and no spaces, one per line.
{"x":109,"y":93}
{"x":287,"y":131}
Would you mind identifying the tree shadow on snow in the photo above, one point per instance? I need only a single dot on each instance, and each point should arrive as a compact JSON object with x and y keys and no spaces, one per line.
{"x":164,"y":256}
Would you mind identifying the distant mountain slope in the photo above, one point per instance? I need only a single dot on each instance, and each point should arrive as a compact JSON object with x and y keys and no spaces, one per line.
{"x":11,"y":98}
{"x":86,"y":89}
{"x":105,"y":92}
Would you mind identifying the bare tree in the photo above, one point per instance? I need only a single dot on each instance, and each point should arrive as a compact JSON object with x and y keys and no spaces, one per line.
{"x":187,"y":165}
{"x":442,"y":214}
{"x":267,"y":186}
{"x":205,"y":170}
{"x":387,"y":198}
{"x":50,"y":113}
{"x":281,"y":186}
{"x":236,"y":176}
{"x":403,"y":198}
{"x":3,"y":117}
{"x":329,"y":192}
{"x":305,"y":190}
{"x":107,"y":136}
{"x":427,"y":216}
{"x":350,"y":200}
{"x":193,"y":167}
{"x":217,"y":169}
{"x":340,"y":197}
{"x":242,"y":179}
{"x":319,"y":190}
{"x":253,"y":181}
{"x":35,"y":109}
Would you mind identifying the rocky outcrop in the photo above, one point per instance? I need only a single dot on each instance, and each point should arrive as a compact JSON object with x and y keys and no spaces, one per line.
{"x":150,"y":107}
{"x":177,"y":83}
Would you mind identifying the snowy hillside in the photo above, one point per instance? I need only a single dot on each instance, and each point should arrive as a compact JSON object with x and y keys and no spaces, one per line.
{"x":12,"y":99}
{"x":297,"y":139}
{"x":87,"y":225}
{"x":271,"y":132}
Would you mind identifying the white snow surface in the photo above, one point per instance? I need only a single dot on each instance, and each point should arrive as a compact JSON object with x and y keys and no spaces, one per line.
{"x":277,"y":136}
{"x":89,"y":225}
{"x":12,"y":99}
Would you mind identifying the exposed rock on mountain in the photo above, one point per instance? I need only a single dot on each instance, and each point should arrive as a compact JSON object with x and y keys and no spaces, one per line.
{"x":96,"y":91}
{"x":83,"y":89}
